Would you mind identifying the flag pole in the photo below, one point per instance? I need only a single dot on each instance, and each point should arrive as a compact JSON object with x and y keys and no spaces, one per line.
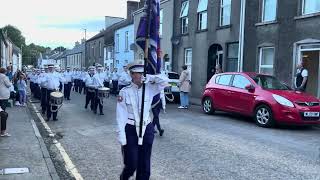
{"x":146,"y":53}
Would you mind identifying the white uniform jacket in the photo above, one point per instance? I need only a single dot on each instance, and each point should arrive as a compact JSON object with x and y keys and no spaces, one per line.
{"x":129,"y":105}
{"x":53,"y":80}
{"x":98,"y":79}
{"x":124,"y":79}
{"x":89,"y":80}
{"x":67,"y":76}
{"x":41,"y":80}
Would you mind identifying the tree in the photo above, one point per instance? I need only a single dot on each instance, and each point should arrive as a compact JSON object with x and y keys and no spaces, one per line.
{"x":60,"y":49}
{"x":15,"y":35}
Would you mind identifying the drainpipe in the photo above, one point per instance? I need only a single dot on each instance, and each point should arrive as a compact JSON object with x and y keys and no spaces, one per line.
{"x":241,"y":35}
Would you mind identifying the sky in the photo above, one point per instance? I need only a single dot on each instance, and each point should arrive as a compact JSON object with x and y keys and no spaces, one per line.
{"x":56,"y":23}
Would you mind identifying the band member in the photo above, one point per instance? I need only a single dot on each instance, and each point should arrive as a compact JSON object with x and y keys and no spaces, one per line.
{"x":125,"y":78}
{"x":32,"y":79}
{"x":67,"y":83}
{"x":137,"y":151}
{"x":43,"y":85}
{"x":82,"y":79}
{"x":106,"y":82}
{"x":37,"y":91}
{"x":53,"y":80}
{"x":98,"y":80}
{"x":115,"y":78}
{"x":90,"y":94}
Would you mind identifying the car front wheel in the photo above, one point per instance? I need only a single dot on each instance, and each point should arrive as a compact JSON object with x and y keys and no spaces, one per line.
{"x":263,"y":116}
{"x":207,"y":106}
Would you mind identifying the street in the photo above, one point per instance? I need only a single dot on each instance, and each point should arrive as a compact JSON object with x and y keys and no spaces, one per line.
{"x":194,"y":145}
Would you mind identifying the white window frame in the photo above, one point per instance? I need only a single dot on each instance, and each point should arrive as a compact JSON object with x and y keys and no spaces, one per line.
{"x":202,"y":20}
{"x":222,"y":7}
{"x":186,"y":57}
{"x":184,"y":26}
{"x":303,"y":8}
{"x":184,"y":16}
{"x":260,"y":59}
{"x":126,"y":41}
{"x":263,"y":15}
{"x":161,"y":22}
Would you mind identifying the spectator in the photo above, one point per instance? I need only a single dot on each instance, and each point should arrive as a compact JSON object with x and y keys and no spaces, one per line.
{"x":5,"y":84}
{"x":9,"y":73}
{"x":22,"y":88}
{"x":218,"y":69}
{"x":301,"y":77}
{"x":185,"y":86}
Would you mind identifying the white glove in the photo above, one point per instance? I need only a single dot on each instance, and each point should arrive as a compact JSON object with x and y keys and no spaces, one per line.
{"x":1,"y":109}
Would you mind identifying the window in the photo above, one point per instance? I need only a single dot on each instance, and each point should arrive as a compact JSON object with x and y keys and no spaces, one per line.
{"x":225,"y":12}
{"x":310,"y":6}
{"x":232,"y":58}
{"x":126,"y":62}
{"x":184,"y":17}
{"x":224,"y":80}
{"x":269,"y":10}
{"x":126,"y":41}
{"x":117,"y":42}
{"x":161,"y":22}
{"x":117,"y":62}
{"x":188,"y":57}
{"x":240,"y":82}
{"x":202,"y":14}
{"x":266,"y":60}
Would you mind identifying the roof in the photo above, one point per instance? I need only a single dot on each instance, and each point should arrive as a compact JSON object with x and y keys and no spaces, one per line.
{"x":77,"y":49}
{"x":109,"y":32}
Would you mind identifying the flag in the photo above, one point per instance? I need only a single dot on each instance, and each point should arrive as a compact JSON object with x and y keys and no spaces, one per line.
{"x":150,"y":29}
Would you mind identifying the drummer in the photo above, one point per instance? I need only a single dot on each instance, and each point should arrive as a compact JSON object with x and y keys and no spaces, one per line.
{"x":90,"y":92}
{"x":98,"y":80}
{"x":52,"y":79}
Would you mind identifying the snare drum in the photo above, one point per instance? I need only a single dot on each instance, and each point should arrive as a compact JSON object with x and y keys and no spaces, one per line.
{"x":103,"y":92}
{"x":56,"y":98}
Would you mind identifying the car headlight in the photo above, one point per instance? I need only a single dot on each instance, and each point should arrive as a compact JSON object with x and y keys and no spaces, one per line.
{"x":283,"y":101}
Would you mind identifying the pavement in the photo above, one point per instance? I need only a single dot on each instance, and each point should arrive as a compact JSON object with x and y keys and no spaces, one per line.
{"x":24,"y":149}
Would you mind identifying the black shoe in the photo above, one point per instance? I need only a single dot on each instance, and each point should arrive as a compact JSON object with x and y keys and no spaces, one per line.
{"x":101,"y":113}
{"x":95,"y":112}
{"x":68,"y":99}
{"x":86,"y":107}
{"x":161,"y":132}
{"x":55,"y":119}
{"x":48,"y":119}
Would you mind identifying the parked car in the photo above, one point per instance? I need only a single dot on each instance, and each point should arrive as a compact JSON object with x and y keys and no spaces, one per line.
{"x":261,"y":96}
{"x":173,"y":89}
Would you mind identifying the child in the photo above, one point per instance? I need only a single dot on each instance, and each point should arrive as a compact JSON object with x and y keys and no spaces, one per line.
{"x":22,"y":88}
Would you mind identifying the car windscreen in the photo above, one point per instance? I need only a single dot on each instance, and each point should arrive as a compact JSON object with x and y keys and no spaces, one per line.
{"x":269,"y":82}
{"x":173,"y":76}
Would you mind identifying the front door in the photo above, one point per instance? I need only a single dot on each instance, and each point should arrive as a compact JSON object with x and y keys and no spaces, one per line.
{"x":312,"y":58}
{"x":215,"y":56}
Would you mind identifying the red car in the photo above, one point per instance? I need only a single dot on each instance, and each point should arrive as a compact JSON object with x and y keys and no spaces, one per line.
{"x":261,"y":96}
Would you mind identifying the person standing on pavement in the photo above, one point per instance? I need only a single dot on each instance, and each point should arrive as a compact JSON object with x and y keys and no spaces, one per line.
{"x":136,"y":151}
{"x":90,"y":92}
{"x":115,"y":79}
{"x":22,"y":88}
{"x":301,"y":77}
{"x":67,"y":83}
{"x":5,"y":85}
{"x":43,"y":85}
{"x":53,"y":80}
{"x":185,"y":86}
{"x":124,"y":79}
{"x":98,"y":80}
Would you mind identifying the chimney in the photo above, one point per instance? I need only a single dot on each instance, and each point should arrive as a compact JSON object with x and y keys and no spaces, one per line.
{"x":76,"y":44}
{"x":131,"y":7}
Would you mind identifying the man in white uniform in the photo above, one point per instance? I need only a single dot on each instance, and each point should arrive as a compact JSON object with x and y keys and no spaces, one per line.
{"x":136,"y":150}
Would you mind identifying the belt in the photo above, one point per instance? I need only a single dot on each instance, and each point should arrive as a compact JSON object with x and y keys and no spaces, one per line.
{"x":133,"y":122}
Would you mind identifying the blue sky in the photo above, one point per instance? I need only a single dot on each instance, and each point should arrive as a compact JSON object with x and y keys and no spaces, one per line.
{"x":60,"y":22}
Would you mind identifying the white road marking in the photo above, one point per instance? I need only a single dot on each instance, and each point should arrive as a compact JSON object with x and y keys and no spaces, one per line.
{"x":68,"y":163}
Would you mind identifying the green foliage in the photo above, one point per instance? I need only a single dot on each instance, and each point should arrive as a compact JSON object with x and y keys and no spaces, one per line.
{"x":15,"y":35}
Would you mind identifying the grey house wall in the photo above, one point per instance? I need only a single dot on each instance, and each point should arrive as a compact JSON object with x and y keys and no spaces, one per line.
{"x":200,"y":41}
{"x":93,"y":45}
{"x":289,"y":28}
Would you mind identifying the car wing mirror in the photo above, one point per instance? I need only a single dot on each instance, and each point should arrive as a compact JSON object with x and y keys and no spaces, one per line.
{"x":250,"y":87}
